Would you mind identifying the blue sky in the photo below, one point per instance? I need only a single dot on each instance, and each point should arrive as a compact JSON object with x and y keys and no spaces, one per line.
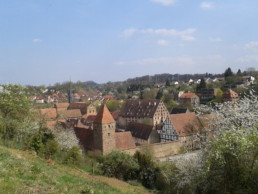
{"x":49,"y":41}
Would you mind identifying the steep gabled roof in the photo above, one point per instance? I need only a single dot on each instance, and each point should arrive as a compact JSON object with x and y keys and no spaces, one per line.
{"x":78,"y":105}
{"x":48,"y":113}
{"x":62,"y":105}
{"x":76,"y":113}
{"x":139,"y":130}
{"x":188,"y":95}
{"x":186,"y":124}
{"x":139,"y":108}
{"x":230,"y":94}
{"x":115,"y":115}
{"x":104,"y":116}
{"x":124,"y":140}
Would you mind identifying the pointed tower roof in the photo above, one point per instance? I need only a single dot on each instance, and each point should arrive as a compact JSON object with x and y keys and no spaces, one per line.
{"x":104,"y":116}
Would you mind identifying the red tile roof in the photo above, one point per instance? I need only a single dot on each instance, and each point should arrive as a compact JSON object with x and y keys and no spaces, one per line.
{"x":78,"y":105}
{"x":104,"y":116}
{"x":51,"y":124}
{"x":47,"y":113}
{"x":62,"y":105}
{"x":186,"y":124}
{"x":139,"y":130}
{"x":230,"y":94}
{"x":115,"y":115}
{"x":124,"y":140}
{"x":139,"y":108}
{"x":89,"y":118}
{"x":76,"y":113}
{"x":188,"y":95}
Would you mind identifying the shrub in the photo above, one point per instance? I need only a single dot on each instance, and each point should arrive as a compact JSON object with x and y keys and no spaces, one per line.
{"x":120,"y":165}
{"x":73,"y":156}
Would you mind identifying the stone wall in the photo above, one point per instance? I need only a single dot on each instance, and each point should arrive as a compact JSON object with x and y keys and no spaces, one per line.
{"x":161,"y":149}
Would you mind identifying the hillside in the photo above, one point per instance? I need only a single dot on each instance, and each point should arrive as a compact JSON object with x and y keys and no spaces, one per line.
{"x":23,"y":172}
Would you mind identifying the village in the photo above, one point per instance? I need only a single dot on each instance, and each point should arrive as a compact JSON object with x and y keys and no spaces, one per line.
{"x":138,"y":122}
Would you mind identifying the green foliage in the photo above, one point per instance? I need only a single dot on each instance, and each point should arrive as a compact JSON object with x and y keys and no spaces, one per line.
{"x":120,"y":165}
{"x":22,"y":172}
{"x":149,"y":95}
{"x":15,"y":108}
{"x":168,"y":101}
{"x":148,"y":177}
{"x":73,"y":156}
{"x":148,"y":171}
{"x":112,"y":105}
{"x":144,"y":160}
{"x":166,"y":178}
{"x":232,"y":163}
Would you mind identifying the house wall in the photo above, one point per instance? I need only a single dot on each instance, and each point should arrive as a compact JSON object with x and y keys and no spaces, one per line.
{"x":91,"y":109}
{"x":161,"y":114}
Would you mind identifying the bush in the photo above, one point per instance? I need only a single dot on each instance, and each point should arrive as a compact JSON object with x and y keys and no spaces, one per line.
{"x":73,"y":156}
{"x":120,"y":165}
{"x":148,"y":177}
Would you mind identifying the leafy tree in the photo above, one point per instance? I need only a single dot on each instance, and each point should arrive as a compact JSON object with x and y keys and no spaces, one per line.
{"x":228,"y":72}
{"x":15,"y":110}
{"x":150,"y":94}
{"x":120,"y":165}
{"x":112,"y":105}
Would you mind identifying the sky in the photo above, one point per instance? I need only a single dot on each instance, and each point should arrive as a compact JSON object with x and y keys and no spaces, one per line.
{"x":43,"y":42}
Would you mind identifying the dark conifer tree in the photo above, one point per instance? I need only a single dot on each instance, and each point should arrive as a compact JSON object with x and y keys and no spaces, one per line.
{"x":228,"y":72}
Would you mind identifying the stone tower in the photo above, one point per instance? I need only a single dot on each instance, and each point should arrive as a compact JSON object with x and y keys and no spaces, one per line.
{"x":104,"y":131}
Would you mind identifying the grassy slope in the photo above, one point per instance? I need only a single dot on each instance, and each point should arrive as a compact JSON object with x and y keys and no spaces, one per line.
{"x":22,"y":172}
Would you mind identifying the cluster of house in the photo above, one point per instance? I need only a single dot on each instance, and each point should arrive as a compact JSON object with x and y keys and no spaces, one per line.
{"x":206,"y":94}
{"x":77,"y":97}
{"x":139,"y":122}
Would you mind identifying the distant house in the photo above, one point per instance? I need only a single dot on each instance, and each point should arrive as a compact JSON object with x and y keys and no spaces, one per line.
{"x":230,"y":95}
{"x":248,"y":79}
{"x":187,"y":126}
{"x":207,"y":94}
{"x":189,"y":99}
{"x":108,"y":97}
{"x":39,"y":100}
{"x":143,"y":133}
{"x":83,"y":107}
{"x":167,"y":131}
{"x":151,"y":112}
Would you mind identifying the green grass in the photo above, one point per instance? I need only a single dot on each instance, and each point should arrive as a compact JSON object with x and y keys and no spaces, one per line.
{"x":23,"y":172}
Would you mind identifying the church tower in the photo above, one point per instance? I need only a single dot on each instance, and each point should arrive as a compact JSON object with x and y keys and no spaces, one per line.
{"x":104,"y":131}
